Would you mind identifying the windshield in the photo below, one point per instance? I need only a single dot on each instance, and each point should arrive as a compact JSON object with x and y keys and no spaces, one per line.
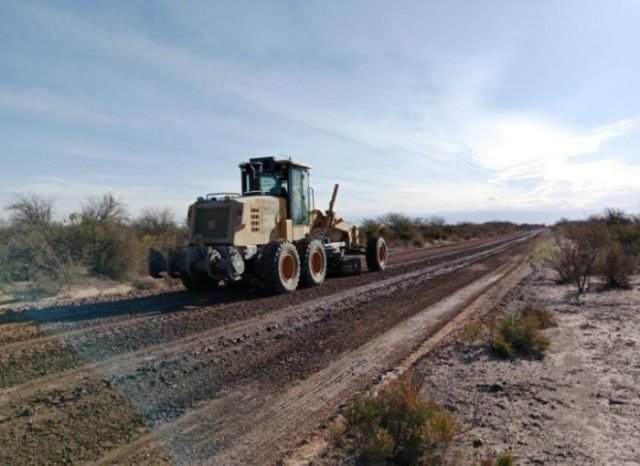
{"x":270,"y":183}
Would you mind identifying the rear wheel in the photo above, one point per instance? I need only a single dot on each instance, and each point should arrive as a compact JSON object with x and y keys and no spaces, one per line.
{"x":156,"y":263}
{"x":376,"y":253}
{"x":279,"y":267}
{"x":313,"y":262}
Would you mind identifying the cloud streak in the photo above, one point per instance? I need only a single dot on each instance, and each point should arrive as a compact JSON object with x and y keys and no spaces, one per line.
{"x":376,"y":100}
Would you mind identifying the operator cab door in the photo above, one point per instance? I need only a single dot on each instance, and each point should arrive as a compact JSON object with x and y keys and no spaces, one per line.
{"x":299,"y":196}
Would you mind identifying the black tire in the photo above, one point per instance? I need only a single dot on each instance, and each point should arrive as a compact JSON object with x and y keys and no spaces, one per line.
{"x":376,"y":253}
{"x":313,"y":262}
{"x":279,"y":267}
{"x":156,"y":263}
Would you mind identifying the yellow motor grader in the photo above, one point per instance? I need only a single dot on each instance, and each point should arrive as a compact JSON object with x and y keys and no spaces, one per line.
{"x":270,"y":233}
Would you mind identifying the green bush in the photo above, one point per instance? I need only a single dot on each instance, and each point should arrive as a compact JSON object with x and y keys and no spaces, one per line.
{"x":543,"y":254}
{"x":505,"y":459}
{"x":519,"y":333}
{"x":399,"y":427}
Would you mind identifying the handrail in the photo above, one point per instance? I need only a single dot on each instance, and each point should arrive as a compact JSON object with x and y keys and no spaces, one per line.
{"x":210,"y":195}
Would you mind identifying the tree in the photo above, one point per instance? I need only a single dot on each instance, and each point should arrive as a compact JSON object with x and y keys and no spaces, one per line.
{"x":108,"y":243}
{"x":31,"y":210}
{"x":105,"y":209}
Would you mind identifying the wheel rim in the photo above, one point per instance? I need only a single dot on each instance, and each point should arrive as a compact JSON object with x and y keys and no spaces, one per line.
{"x":317,"y":262}
{"x":288,"y":267}
{"x":382,"y":253}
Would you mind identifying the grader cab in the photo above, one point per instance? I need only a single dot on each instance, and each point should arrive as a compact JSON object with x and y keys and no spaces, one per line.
{"x":270,"y":233}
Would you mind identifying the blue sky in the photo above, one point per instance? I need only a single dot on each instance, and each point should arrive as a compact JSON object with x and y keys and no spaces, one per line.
{"x":525,"y":110}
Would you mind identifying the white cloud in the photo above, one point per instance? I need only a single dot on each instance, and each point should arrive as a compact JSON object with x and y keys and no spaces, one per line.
{"x":445,"y":147}
{"x":507,"y":142}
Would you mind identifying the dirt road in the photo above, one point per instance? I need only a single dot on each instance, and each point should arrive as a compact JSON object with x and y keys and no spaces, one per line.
{"x":231,"y":377}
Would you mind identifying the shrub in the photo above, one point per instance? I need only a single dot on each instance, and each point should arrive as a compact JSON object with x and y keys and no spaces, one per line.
{"x":398,"y":427}
{"x":543,"y":254}
{"x":39,"y":255}
{"x":519,"y":333}
{"x":579,"y":248}
{"x":470,"y":332}
{"x":542,"y":316}
{"x":157,"y":228}
{"x":110,"y":248}
{"x":505,"y":459}
{"x":337,"y":431}
{"x":616,"y":267}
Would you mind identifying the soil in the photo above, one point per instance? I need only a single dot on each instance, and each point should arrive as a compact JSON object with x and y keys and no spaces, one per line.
{"x":232,"y":377}
{"x":579,"y":405}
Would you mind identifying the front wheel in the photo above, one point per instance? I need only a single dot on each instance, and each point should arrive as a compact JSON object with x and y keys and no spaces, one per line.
{"x":376,"y":253}
{"x":279,"y":267}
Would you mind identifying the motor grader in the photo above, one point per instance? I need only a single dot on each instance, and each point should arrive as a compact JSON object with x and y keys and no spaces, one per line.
{"x":270,"y":233}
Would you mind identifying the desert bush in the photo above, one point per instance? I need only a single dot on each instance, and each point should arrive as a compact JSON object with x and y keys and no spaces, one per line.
{"x":616,"y":267}
{"x":110,"y":247}
{"x":470,"y":332}
{"x":579,"y":247}
{"x":399,"y":427}
{"x":338,"y":431}
{"x":519,"y":333}
{"x":157,"y":228}
{"x":505,"y":459}
{"x":400,"y":227}
{"x":98,"y":240}
{"x":38,"y":255}
{"x":628,"y":237}
{"x":370,"y":227}
{"x":542,"y":316}
{"x":543,"y":254}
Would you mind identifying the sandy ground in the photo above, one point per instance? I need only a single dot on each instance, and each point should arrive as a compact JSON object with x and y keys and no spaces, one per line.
{"x":579,"y":405}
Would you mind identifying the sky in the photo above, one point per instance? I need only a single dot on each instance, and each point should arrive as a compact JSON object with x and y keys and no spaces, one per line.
{"x":475,"y":110}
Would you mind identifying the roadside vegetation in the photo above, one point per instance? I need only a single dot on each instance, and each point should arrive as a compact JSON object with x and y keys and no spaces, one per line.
{"x":519,"y":332}
{"x":398,"y":427}
{"x":605,"y":246}
{"x":417,"y":231}
{"x":100,"y":240}
{"x":511,"y":334}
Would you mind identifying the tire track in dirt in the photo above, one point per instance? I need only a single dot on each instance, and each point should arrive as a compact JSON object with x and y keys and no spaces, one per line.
{"x":69,"y":319}
{"x":212,"y":339}
{"x":21,"y":362}
{"x":241,"y":436}
{"x":189,"y":374}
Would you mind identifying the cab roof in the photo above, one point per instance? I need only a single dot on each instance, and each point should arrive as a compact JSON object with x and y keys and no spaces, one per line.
{"x":271,"y":161}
